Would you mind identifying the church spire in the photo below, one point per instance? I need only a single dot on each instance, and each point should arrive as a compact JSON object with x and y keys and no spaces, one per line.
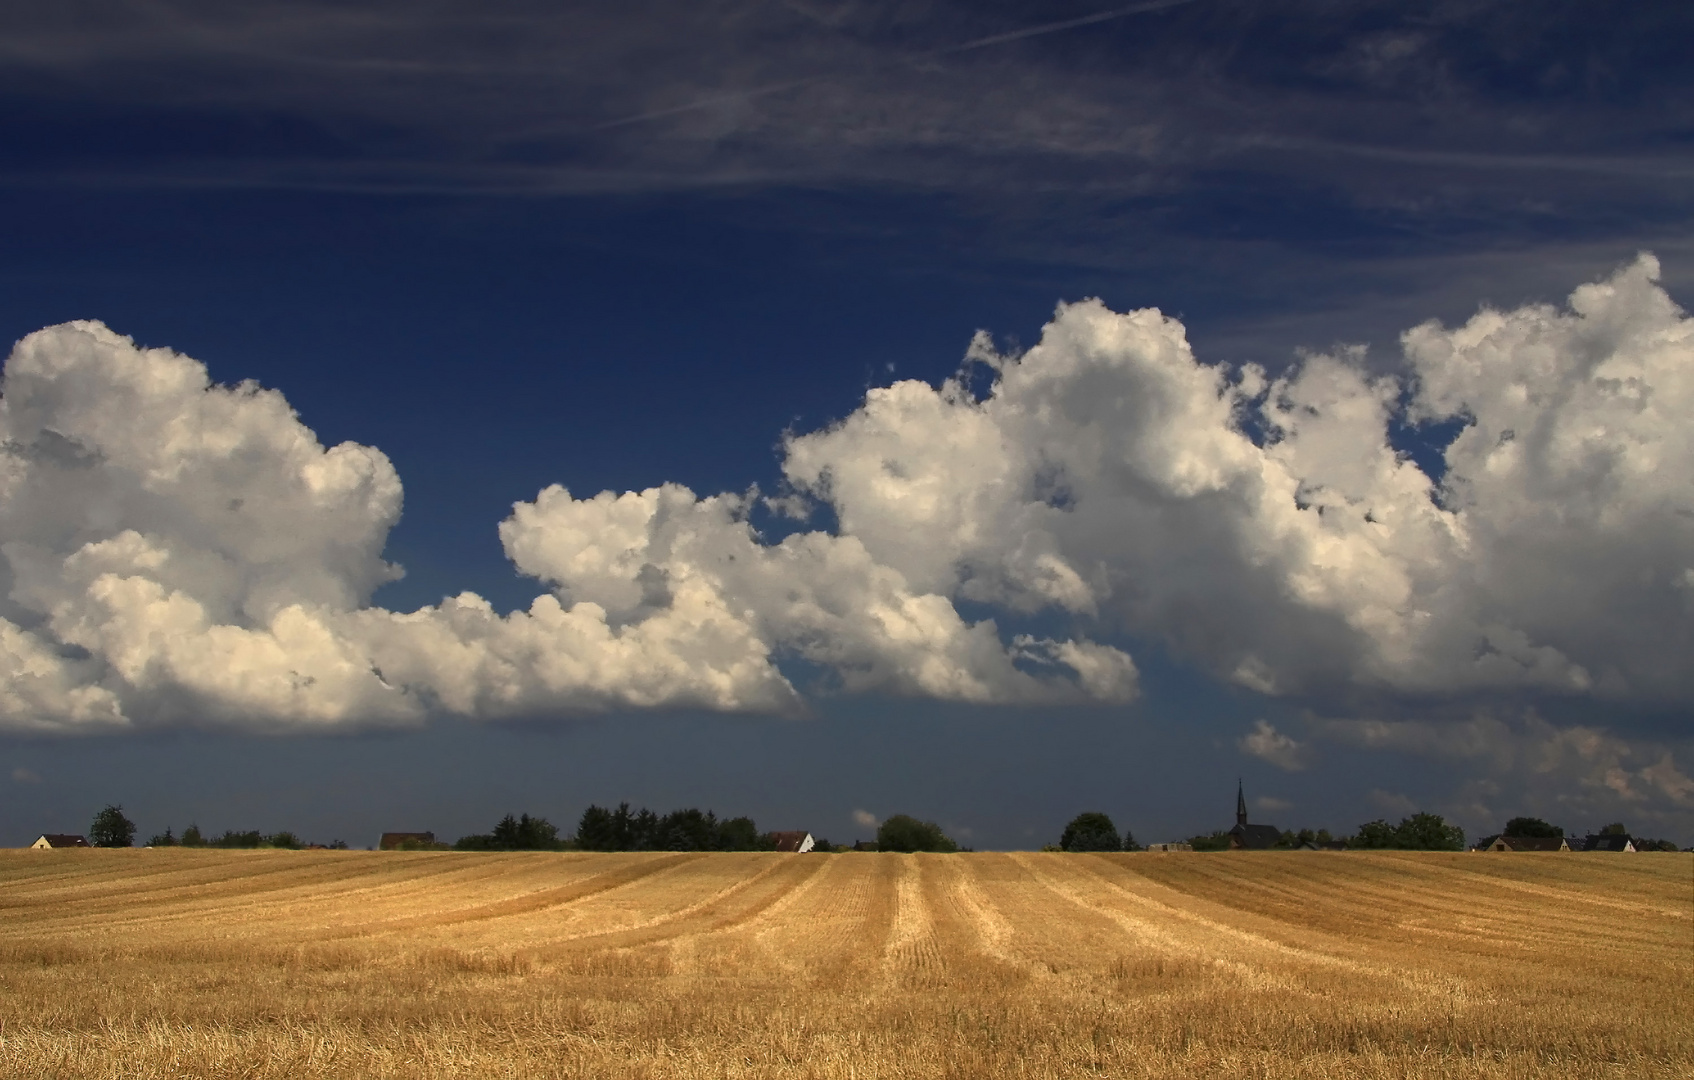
{"x":1240,"y":803}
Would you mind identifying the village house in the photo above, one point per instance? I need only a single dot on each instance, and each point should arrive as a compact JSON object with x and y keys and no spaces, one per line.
{"x":49,"y":841}
{"x":1523,"y":843}
{"x":1609,"y":842}
{"x":1178,"y":846}
{"x":1245,"y":837}
{"x":794,"y":842}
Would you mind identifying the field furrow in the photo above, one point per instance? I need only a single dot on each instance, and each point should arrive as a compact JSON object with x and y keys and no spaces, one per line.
{"x":443,"y":964}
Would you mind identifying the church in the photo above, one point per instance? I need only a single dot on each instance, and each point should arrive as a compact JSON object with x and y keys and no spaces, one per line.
{"x":1245,"y":837}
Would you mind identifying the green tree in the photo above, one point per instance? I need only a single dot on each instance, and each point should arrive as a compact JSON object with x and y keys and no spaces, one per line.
{"x":1529,"y":826}
{"x":111,"y":829}
{"x":522,"y":833}
{"x":739,"y":834}
{"x":1373,"y":834}
{"x":1429,"y":832}
{"x":1614,"y":829}
{"x":1091,"y":831}
{"x":1420,"y":832}
{"x":164,"y":839}
{"x":689,"y":829}
{"x":902,"y":832}
{"x":597,"y":831}
{"x":1214,"y":841}
{"x":191,"y":837}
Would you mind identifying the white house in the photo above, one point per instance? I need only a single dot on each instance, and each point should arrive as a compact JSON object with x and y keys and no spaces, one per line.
{"x":48,"y":841}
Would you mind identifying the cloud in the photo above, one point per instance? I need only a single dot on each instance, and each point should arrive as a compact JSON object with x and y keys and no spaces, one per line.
{"x":21,"y":775}
{"x":540,"y":98}
{"x":179,"y":552}
{"x":1271,"y":803}
{"x":1268,"y":744}
{"x":1391,"y":802}
{"x":1514,"y":760}
{"x":1269,"y":529}
{"x":865,"y":818}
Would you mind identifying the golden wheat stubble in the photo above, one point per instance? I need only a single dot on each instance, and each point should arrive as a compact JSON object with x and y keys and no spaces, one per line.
{"x":421,"y":964}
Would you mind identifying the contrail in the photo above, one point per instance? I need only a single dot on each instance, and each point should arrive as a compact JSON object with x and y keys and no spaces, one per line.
{"x":1053,"y":28}
{"x":968,"y":46}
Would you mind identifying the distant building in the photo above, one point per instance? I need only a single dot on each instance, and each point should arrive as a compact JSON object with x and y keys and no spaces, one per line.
{"x":1524,"y":843}
{"x":794,"y":842}
{"x":1245,"y":837}
{"x":391,"y":841}
{"x":1609,"y":842}
{"x":48,"y":841}
{"x":1178,"y":846}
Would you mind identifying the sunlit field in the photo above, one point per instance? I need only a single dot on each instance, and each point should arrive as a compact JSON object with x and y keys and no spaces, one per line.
{"x":168,"y":963}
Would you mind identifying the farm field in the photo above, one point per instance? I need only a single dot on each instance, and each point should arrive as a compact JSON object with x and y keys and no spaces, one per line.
{"x":173,"y":963}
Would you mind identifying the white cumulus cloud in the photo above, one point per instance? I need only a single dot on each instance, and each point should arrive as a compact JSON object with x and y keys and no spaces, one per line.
{"x":1111,"y":474}
{"x":180,"y":552}
{"x":177,"y":551}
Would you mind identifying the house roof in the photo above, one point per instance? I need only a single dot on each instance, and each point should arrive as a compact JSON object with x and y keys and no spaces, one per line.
{"x":1255,"y":837}
{"x":63,"y":839}
{"x":1609,"y":842}
{"x":791,"y":841}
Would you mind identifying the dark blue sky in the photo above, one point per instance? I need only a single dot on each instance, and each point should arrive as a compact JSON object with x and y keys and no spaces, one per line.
{"x":611,"y":247}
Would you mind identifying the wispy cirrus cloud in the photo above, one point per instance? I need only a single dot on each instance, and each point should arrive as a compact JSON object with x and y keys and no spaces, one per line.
{"x":1114,"y":100}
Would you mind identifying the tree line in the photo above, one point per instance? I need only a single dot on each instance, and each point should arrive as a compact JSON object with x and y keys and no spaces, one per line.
{"x":1093,"y":831}
{"x":111,"y":828}
{"x":622,"y":829}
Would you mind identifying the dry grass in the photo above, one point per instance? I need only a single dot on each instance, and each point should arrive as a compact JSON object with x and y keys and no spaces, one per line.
{"x":296,"y":964}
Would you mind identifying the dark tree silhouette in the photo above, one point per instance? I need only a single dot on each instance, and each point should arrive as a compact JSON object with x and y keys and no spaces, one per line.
{"x":521,"y":833}
{"x":689,"y":829}
{"x":1420,"y":832}
{"x":1091,"y":831}
{"x":111,"y":829}
{"x":902,"y":832}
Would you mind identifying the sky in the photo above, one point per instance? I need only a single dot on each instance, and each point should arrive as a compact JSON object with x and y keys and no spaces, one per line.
{"x":821,"y":411}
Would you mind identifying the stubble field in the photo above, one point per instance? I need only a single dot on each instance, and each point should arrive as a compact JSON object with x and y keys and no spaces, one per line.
{"x":302,"y":964}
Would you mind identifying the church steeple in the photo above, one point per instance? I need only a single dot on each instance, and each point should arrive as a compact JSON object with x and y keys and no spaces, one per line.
{"x":1240,"y":804}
